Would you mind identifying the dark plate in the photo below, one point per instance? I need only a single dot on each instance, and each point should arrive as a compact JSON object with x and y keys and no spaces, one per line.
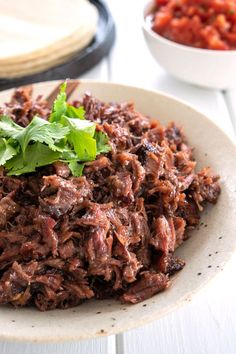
{"x":80,"y":62}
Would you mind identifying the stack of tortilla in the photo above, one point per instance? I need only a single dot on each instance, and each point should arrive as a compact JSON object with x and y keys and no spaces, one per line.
{"x":36,"y":35}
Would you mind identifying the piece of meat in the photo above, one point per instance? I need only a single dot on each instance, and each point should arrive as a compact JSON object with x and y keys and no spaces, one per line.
{"x":205,"y":187}
{"x":66,"y":194}
{"x":15,"y":282}
{"x":61,"y":169}
{"x":131,"y":269}
{"x":8,"y":208}
{"x":96,"y":215}
{"x":100,"y":163}
{"x":164,"y":236}
{"x":118,"y":136}
{"x":67,"y":250}
{"x":179,"y":225}
{"x":174,"y":135}
{"x":46,"y":228}
{"x":189,"y":211}
{"x":154,"y":165}
{"x":96,"y":246}
{"x":138,"y":172}
{"x":81,"y":291}
{"x":22,"y":108}
{"x":121,"y":185}
{"x":149,"y":285}
{"x":169,"y":264}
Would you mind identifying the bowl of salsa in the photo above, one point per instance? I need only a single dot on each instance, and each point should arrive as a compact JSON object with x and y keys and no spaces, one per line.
{"x":194,"y":40}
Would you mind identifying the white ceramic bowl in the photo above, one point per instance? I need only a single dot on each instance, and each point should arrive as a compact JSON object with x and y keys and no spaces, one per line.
{"x":99,"y":318}
{"x":208,"y":68}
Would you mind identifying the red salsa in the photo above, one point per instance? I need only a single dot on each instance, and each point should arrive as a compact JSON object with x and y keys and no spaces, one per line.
{"x":208,"y":24}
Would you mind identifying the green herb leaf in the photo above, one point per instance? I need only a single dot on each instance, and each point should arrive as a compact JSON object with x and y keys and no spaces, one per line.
{"x":102,"y":142}
{"x":74,"y":112}
{"x":36,"y":155}
{"x":42,"y":131}
{"x":59,"y":105}
{"x":8,"y":128}
{"x":81,"y":138}
{"x":76,"y":168}
{"x":6,"y":151}
{"x":80,"y":125}
{"x":83,"y":144}
{"x":68,"y":154}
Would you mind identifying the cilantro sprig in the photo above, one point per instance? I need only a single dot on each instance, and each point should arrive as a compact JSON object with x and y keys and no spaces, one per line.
{"x":67,"y":136}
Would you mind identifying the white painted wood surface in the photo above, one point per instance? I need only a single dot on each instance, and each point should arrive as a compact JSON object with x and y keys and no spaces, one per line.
{"x":207,"y":324}
{"x":98,"y":346}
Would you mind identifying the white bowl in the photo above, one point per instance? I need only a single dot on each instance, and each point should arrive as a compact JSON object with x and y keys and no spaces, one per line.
{"x":99,"y":318}
{"x":209,"y":68}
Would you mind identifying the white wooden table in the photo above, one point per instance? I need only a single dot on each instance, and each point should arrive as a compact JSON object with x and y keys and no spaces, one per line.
{"x":207,"y":324}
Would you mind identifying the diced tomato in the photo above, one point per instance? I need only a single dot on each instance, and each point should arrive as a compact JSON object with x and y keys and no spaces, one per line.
{"x":162,"y":19}
{"x":209,"y":24}
{"x":221,"y":23}
{"x":161,"y":2}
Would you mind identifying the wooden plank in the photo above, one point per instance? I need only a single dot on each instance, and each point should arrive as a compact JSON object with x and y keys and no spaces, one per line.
{"x":98,"y":346}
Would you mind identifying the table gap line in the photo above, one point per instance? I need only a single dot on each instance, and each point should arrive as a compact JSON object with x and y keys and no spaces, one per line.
{"x":120,"y":346}
{"x":230,"y":110}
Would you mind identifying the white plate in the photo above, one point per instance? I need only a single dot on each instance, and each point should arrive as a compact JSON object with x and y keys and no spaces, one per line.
{"x":99,"y":318}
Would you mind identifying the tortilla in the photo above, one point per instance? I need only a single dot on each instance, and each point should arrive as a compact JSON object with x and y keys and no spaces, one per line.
{"x":35,"y":43}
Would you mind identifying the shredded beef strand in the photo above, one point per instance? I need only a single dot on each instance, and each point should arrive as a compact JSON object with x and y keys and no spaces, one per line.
{"x":112,"y":232}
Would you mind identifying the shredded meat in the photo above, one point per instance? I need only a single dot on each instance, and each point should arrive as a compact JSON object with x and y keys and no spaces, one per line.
{"x":148,"y":285}
{"x":110,"y":233}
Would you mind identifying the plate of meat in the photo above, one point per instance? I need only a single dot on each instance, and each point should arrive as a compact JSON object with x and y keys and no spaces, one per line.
{"x":112,"y":197}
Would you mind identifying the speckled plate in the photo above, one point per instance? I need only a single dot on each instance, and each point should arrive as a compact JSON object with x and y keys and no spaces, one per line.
{"x":99,"y":318}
